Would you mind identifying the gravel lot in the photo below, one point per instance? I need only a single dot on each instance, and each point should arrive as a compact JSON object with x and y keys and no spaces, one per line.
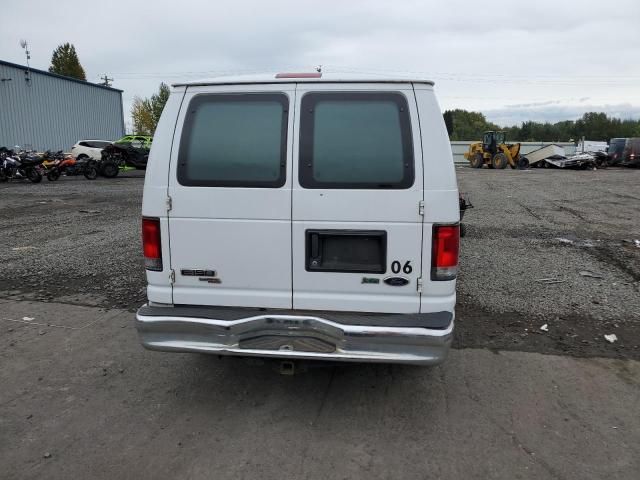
{"x":73,"y":241}
{"x":529,"y":236}
{"x":80,"y":397}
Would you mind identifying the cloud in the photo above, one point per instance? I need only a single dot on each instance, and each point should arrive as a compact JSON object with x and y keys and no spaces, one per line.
{"x":538,"y":58}
{"x":514,"y":116}
{"x":534,"y":104}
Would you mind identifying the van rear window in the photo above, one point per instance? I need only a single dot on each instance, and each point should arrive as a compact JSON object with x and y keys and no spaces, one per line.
{"x":234,"y":140}
{"x":355,"y":140}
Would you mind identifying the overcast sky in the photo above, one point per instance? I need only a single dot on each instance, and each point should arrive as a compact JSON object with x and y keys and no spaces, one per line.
{"x":539,"y":60}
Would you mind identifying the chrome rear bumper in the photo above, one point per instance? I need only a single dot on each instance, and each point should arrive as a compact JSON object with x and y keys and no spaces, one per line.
{"x":295,"y":335}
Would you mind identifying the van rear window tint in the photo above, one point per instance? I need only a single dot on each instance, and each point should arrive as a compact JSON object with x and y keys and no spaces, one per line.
{"x":234,"y":140}
{"x":355,"y":140}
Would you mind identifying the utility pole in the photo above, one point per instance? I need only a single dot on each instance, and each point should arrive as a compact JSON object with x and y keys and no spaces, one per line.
{"x":27,"y":73}
{"x":106,"y":80}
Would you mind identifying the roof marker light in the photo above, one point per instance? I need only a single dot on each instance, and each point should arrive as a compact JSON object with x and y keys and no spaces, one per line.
{"x":299,"y":75}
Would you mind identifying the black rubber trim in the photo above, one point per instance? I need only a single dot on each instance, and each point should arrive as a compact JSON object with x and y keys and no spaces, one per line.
{"x":308,"y":106}
{"x":187,"y":130}
{"x":314,"y":239}
{"x":433,"y":320}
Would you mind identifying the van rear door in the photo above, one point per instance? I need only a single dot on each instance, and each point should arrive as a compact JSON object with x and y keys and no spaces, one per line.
{"x":230,"y":214}
{"x":358,"y":188}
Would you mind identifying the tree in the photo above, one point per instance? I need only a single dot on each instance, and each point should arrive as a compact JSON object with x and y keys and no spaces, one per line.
{"x":142,"y":117}
{"x":145,"y":112}
{"x":448,"y":121}
{"x":464,"y":125}
{"x":64,"y":61}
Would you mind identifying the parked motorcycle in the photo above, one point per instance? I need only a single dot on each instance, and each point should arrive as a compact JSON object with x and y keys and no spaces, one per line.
{"x":20,"y":165}
{"x":51,"y":159}
{"x":70,"y":167}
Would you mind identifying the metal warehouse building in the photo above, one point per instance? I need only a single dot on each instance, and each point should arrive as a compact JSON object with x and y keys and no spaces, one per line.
{"x":45,"y":111}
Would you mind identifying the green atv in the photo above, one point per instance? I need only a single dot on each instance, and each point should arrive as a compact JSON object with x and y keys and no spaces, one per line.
{"x":130,"y":151}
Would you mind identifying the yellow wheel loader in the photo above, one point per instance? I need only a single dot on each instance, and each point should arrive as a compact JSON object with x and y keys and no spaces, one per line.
{"x":495,"y":153}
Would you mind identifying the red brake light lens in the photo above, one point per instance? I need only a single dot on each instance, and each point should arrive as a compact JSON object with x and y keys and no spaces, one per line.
{"x":151,"y":244}
{"x":444,"y":253}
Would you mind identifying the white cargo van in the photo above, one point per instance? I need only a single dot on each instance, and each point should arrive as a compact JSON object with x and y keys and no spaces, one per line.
{"x":301,"y":216}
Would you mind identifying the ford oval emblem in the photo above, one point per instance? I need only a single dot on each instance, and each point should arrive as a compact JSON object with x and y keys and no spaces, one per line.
{"x":396,"y":281}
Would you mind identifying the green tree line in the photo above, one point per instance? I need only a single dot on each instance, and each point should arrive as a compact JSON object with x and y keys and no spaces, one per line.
{"x":465,"y":125}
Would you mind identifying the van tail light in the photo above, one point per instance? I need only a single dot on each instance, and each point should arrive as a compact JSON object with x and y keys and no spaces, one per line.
{"x":151,"y":244}
{"x":444,"y":252}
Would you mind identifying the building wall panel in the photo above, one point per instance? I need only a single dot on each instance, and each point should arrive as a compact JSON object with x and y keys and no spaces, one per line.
{"x":49,"y":112}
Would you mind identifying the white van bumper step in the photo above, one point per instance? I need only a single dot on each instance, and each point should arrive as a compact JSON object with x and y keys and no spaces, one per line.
{"x":298,"y":335}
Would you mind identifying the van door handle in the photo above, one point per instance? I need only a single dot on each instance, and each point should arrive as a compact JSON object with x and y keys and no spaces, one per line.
{"x":315,"y":245}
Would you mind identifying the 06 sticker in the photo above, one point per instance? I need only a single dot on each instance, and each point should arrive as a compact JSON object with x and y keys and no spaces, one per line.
{"x":396,"y":266}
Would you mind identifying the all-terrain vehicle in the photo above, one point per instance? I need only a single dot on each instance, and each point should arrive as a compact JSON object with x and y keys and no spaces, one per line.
{"x":70,"y":167}
{"x":132,"y":150}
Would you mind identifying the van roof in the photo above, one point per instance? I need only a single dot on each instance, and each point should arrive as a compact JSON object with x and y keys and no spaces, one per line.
{"x":303,"y":77}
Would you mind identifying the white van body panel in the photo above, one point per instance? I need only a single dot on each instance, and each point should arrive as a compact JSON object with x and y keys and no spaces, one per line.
{"x":265,"y":300}
{"x":154,"y":200}
{"x":243,"y":234}
{"x":395,"y":211}
{"x":440,"y":195}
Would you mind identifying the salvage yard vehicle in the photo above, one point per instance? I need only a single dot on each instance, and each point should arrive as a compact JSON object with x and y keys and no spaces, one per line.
{"x":130,"y":150}
{"x":51,"y":159}
{"x":89,"y":149}
{"x":71,"y":167}
{"x":301,"y":216}
{"x":631,"y":153}
{"x":19,"y":164}
{"x":140,"y":146}
{"x":140,"y":141}
{"x":111,"y":161}
{"x":616,"y":147}
{"x":495,"y":152}
{"x":536,"y":158}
